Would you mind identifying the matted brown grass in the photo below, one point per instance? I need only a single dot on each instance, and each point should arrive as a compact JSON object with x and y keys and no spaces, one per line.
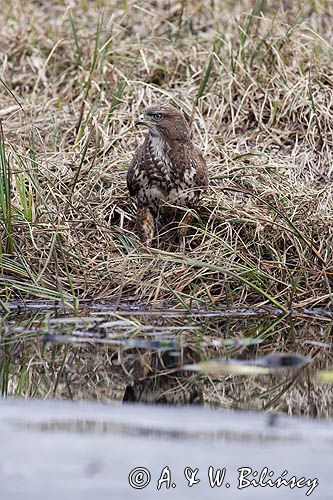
{"x":257,"y":82}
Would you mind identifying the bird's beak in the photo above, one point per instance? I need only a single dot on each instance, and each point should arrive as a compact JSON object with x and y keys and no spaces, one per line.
{"x":143,"y":120}
{"x":140,"y":121}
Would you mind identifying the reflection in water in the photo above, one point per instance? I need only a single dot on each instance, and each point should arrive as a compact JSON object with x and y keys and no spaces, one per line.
{"x":131,"y":356}
{"x":160,"y":379}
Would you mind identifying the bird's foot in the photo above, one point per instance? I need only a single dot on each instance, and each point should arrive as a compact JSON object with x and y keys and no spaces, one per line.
{"x":145,"y":225}
{"x":185,"y":225}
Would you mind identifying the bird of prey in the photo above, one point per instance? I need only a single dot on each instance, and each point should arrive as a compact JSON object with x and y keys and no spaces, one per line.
{"x":166,"y":167}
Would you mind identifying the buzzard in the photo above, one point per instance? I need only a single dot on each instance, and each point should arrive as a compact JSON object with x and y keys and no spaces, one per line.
{"x":166,"y":167}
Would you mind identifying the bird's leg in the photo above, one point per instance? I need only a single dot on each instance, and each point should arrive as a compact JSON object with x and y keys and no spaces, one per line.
{"x":183,"y":229}
{"x":185,"y":222}
{"x":145,"y":225}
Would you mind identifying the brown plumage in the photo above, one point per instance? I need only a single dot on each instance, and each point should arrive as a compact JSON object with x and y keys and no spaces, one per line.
{"x":166,"y":167}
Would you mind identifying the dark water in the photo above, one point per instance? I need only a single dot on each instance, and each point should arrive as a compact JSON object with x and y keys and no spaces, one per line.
{"x":228,"y":358}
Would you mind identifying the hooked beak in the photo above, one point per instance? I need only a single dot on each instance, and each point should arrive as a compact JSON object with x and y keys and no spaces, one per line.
{"x":142,"y":120}
{"x":139,"y":121}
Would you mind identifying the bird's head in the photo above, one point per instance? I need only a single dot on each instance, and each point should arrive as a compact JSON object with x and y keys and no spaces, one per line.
{"x":165,"y":121}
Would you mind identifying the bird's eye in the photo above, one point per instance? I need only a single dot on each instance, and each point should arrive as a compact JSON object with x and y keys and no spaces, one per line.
{"x":157,"y":116}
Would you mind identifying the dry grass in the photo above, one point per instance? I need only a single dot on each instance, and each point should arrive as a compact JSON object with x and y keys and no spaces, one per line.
{"x":258,"y":84}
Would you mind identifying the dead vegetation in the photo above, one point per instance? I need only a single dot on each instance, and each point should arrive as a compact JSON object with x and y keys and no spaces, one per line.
{"x":257,"y":82}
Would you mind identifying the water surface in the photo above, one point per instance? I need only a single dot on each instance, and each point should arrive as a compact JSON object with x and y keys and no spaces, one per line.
{"x":225,"y":358}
